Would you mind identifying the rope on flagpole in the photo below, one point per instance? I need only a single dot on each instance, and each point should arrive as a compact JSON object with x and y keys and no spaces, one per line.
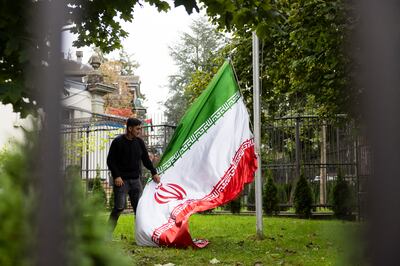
{"x":237,"y":82}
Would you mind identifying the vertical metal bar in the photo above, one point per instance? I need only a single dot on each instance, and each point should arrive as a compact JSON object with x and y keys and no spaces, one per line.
{"x":87,"y":159}
{"x":49,"y":79}
{"x":298,"y":148}
{"x":380,"y":38}
{"x":165,"y":138}
{"x":323,"y":163}
{"x":356,"y":167}
{"x":257,"y":134}
{"x":337,"y":145}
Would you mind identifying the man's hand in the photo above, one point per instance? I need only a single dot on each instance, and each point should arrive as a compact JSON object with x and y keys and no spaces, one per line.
{"x":156,"y":178}
{"x":118,"y":182}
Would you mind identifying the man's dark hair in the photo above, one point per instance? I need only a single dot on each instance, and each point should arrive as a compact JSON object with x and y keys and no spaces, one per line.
{"x":132,"y":122}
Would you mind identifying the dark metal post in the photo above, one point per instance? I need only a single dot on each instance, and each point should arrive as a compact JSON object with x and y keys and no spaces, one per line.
{"x":337,"y":145}
{"x":165,"y":138}
{"x":380,"y":39}
{"x":50,"y":248}
{"x":298,"y":148}
{"x":357,"y":165}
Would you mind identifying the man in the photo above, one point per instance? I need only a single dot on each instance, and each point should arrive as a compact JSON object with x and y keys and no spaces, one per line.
{"x":123,"y":160}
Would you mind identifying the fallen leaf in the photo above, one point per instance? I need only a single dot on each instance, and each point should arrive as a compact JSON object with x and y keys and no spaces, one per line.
{"x":214,"y":261}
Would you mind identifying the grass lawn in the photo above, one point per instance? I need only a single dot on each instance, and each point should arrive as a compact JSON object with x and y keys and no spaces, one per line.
{"x":288,"y":241}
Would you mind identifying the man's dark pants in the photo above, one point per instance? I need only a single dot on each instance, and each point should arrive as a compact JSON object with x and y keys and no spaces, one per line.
{"x":132,"y":187}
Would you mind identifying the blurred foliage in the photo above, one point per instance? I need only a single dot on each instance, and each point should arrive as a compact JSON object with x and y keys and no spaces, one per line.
{"x":87,"y":231}
{"x":17,"y":205}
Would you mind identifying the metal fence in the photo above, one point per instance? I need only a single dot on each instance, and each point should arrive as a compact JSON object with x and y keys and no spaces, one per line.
{"x":320,"y":150}
{"x":87,"y":141}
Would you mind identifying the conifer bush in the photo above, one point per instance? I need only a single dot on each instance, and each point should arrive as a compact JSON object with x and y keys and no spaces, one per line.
{"x":282,"y":195}
{"x":303,"y":198}
{"x":270,"y":196}
{"x":342,"y":200}
{"x":98,"y":192}
{"x":235,"y":205}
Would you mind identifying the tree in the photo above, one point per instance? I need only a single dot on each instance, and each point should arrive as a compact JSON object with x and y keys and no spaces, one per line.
{"x":194,"y":55}
{"x":342,"y":200}
{"x":114,"y":71}
{"x":98,"y":192}
{"x":303,"y":198}
{"x":304,"y":65}
{"x":235,"y":205}
{"x":175,"y":106}
{"x":95,"y":23}
{"x":270,"y":197}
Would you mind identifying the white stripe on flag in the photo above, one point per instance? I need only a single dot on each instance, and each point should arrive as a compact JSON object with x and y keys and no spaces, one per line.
{"x":197,"y":172}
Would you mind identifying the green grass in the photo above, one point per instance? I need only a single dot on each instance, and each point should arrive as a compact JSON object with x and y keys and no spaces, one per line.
{"x":288,"y":241}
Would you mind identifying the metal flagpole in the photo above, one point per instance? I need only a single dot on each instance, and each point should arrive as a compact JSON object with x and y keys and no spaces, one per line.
{"x":257,"y":133}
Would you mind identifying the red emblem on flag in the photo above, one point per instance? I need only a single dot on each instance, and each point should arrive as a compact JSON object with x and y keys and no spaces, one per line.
{"x":168,"y":192}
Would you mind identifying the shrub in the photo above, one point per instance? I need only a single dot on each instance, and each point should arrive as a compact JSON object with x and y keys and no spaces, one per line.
{"x":235,"y":205}
{"x":342,"y":200}
{"x":90,"y":184}
{"x":17,"y":204}
{"x":287,"y":189}
{"x":86,"y":233}
{"x":270,"y":197}
{"x":98,"y":192}
{"x":303,"y":198}
{"x":281,"y":193}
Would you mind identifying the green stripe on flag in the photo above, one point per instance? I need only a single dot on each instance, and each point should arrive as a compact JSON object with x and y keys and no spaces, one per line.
{"x":219,"y":96}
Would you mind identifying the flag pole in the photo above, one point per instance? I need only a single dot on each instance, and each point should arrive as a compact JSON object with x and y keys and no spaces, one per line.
{"x":257,"y":134}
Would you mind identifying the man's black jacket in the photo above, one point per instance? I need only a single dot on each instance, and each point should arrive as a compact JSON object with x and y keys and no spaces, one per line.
{"x":124,"y":158}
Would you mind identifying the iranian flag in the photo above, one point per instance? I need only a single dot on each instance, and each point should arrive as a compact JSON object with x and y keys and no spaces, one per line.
{"x":207,"y":163}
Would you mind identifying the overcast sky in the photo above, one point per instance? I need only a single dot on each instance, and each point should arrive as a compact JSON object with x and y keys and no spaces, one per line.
{"x":150,"y":34}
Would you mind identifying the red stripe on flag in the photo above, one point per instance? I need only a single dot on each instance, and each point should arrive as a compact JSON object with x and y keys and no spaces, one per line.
{"x":175,"y":232}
